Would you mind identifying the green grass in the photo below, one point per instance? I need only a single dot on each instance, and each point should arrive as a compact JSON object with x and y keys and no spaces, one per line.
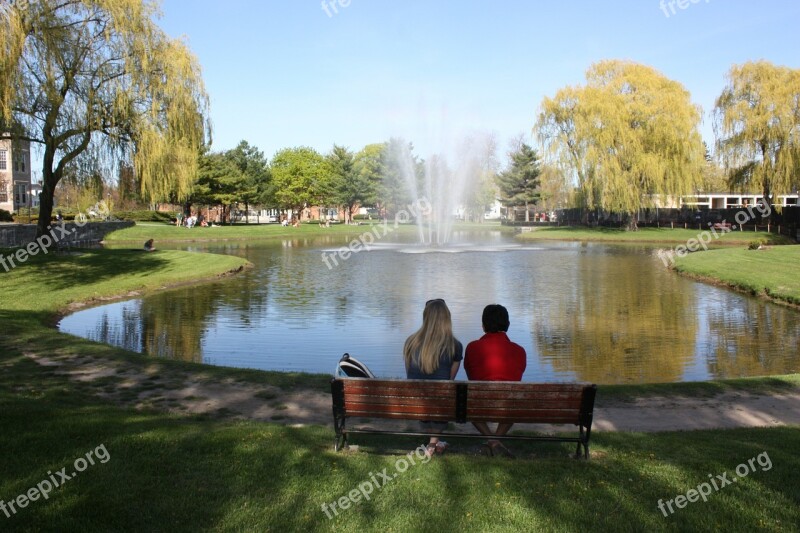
{"x":646,"y":235}
{"x":772,"y":272}
{"x":168,"y":472}
{"x":60,"y":279}
{"x":699,"y":389}
{"x":168,"y":233}
{"x":200,"y":473}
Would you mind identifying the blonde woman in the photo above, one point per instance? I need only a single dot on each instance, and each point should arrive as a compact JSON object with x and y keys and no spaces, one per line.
{"x":432,"y":352}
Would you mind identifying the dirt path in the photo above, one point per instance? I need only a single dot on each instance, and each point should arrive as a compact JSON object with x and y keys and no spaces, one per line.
{"x":132,"y":384}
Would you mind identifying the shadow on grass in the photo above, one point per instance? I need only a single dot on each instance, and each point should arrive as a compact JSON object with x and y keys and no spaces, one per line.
{"x":92,"y":266}
{"x":170,"y":472}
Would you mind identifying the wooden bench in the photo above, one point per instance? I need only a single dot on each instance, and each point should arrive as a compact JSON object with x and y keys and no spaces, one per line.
{"x":462,"y":402}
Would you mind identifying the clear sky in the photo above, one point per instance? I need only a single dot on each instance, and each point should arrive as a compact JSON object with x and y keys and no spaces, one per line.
{"x":286,"y":73}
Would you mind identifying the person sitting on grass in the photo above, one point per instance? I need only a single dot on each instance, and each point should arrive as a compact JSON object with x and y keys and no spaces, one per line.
{"x":432,"y":352}
{"x":148,"y":246}
{"x":494,"y":357}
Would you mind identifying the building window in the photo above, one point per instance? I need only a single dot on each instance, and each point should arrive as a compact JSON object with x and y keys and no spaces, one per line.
{"x":3,"y":191}
{"x":3,"y":159}
{"x":19,"y":158}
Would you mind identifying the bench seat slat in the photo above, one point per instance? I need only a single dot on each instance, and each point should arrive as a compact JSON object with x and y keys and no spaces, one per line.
{"x":408,"y":413}
{"x":568,"y":416}
{"x":406,"y":400}
{"x":518,"y":385}
{"x":525,"y":396}
{"x":513,"y":399}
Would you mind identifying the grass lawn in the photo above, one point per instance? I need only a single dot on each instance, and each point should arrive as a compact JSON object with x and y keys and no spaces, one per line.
{"x":647,"y":235}
{"x":772,"y":272}
{"x":168,"y":233}
{"x":201,"y":473}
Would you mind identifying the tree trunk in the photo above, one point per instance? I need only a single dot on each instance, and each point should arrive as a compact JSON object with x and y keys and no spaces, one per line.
{"x":767,"y":203}
{"x":49,"y":182}
{"x":527,"y":213}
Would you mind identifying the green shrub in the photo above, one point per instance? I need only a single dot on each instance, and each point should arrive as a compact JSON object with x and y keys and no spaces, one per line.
{"x":5,"y":216}
{"x":756,"y":244}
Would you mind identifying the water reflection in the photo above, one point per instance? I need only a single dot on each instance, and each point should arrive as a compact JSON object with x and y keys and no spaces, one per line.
{"x":606,"y":314}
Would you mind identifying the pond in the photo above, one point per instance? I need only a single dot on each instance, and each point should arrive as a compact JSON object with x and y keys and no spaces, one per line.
{"x":588,"y":312}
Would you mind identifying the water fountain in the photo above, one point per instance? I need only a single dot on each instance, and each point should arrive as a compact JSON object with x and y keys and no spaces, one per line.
{"x":443,"y":188}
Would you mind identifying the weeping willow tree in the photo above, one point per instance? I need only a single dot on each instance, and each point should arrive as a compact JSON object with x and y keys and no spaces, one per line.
{"x":628,"y":139}
{"x":757,"y":121}
{"x":97,"y":83}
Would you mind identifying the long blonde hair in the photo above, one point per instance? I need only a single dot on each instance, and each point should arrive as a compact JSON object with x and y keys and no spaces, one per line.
{"x":435,"y":337}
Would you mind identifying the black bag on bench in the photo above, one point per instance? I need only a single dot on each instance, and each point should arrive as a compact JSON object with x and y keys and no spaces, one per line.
{"x":350,"y":367}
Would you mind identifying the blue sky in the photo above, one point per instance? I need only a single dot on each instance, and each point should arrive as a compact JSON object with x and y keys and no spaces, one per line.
{"x":285,"y":73}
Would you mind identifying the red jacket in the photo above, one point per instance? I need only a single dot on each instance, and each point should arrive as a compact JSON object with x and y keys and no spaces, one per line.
{"x":494,"y":357}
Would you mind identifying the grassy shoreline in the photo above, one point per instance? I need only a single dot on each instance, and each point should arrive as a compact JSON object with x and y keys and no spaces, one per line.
{"x":648,"y":236}
{"x":770,"y":273}
{"x":203,"y":473}
{"x":168,"y":233}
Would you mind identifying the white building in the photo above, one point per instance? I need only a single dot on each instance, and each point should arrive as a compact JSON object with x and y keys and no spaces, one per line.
{"x":15,"y":174}
{"x":731,"y":200}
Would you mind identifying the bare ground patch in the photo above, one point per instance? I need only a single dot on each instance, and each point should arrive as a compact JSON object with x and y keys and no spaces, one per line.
{"x":141,"y":386}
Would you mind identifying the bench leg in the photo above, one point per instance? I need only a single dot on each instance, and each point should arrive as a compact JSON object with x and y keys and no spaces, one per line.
{"x":584,"y":441}
{"x":341,"y":435}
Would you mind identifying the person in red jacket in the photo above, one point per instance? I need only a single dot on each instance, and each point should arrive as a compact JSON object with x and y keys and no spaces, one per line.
{"x":494,"y":357}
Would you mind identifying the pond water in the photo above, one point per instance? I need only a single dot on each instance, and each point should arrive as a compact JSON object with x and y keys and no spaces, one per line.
{"x":588,"y":312}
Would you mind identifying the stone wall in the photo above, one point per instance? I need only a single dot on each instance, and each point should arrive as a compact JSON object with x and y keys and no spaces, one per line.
{"x":14,"y":235}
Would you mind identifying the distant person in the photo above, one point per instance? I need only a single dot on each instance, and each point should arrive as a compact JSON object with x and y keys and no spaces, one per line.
{"x":149,"y":247}
{"x":179,"y":219}
{"x":494,"y":357}
{"x":432,"y":352}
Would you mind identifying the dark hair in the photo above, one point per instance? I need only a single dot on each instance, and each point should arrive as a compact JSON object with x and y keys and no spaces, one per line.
{"x":495,"y":318}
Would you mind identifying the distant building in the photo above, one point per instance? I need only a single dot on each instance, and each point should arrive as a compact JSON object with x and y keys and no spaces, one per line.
{"x":35,"y":192}
{"x":731,"y":200}
{"x":15,"y":173}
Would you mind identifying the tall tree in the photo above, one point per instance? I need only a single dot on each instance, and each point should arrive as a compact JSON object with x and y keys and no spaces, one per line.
{"x":255,"y":185}
{"x":346,"y":189}
{"x":757,"y":119}
{"x":519,"y":184}
{"x":220,"y":182}
{"x":712,"y":177}
{"x":628,"y":138}
{"x":368,"y":164}
{"x":94,"y":81}
{"x":299,"y":176}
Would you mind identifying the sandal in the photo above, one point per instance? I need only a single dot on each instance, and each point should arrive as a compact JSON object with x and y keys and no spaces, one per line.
{"x":430,"y":450}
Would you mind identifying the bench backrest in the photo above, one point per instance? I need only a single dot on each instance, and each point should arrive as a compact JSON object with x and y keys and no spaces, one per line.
{"x":459,"y":401}
{"x":404,"y":399}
